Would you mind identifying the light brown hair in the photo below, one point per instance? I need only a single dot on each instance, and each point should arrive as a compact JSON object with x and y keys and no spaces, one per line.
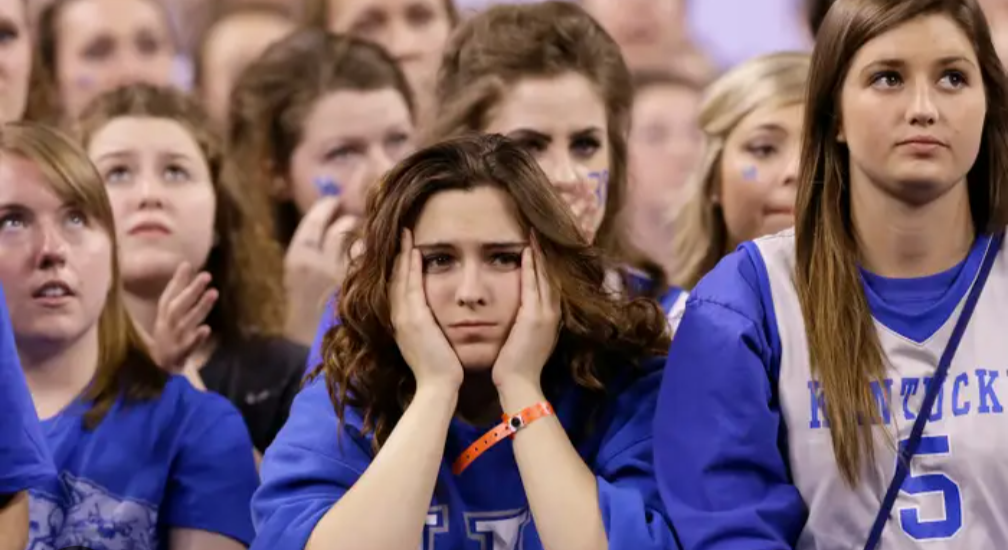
{"x":506,"y":43}
{"x":827,"y":278}
{"x":124,"y":364}
{"x":700,"y":236}
{"x":317,"y":12}
{"x":44,"y":103}
{"x":274,"y":95}
{"x":602,"y":333}
{"x":245,"y":262}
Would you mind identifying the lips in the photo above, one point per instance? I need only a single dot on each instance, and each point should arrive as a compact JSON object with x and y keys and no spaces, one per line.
{"x":150,"y":227}
{"x":930,"y":141}
{"x":471,"y":324}
{"x":53,"y":289}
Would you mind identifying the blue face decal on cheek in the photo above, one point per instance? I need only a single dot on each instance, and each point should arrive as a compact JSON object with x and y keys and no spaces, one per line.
{"x":601,"y":178}
{"x":749,"y":173}
{"x":327,"y":187}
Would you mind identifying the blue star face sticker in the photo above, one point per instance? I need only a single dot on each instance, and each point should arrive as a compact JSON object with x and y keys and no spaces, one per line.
{"x":327,"y":187}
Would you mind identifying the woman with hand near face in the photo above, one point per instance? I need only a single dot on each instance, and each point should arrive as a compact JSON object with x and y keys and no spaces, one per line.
{"x":202,"y":276}
{"x":842,"y":385}
{"x":475,"y":295}
{"x":314,"y":123}
{"x":87,"y":47}
{"x":144,"y":460}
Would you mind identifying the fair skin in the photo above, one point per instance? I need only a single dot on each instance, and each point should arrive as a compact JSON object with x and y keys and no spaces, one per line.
{"x":164,"y":203}
{"x":562,"y":122}
{"x":230,"y":46}
{"x":104,"y":44}
{"x":56,"y":270}
{"x":758,"y":173}
{"x":663,"y":148}
{"x":646,"y":30}
{"x":414,"y":32}
{"x":15,"y":60}
{"x":912,"y":118}
{"x":471,"y":296}
{"x":350,"y":139}
{"x":14,"y":521}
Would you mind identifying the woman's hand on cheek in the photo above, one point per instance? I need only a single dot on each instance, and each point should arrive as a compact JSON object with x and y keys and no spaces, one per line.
{"x":533,"y":337}
{"x":421,"y":341}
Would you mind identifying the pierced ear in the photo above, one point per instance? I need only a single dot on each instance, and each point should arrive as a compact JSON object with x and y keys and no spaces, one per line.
{"x":840,"y":137}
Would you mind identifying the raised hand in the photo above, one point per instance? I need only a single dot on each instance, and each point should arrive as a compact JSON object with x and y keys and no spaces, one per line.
{"x":586,"y":198}
{"x":315,"y":265}
{"x":421,"y":341}
{"x":537,"y":326}
{"x":179,"y":329}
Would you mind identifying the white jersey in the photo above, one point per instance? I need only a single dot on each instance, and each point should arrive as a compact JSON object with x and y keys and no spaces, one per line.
{"x":956,"y":493}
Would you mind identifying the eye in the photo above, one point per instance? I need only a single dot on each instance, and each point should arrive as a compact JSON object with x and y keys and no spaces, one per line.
{"x":100,"y":49}
{"x":534,"y":146}
{"x":886,"y":79}
{"x":8,"y":33}
{"x":117,"y":174}
{"x":368,"y":25}
{"x":437,"y":262}
{"x":77,"y":217}
{"x":148,"y":44}
{"x":174,"y":173}
{"x":761,"y":150}
{"x":420,"y":15}
{"x":585,"y":147}
{"x":954,"y":79}
{"x":341,"y":154}
{"x":13,"y":220}
{"x":506,"y":260}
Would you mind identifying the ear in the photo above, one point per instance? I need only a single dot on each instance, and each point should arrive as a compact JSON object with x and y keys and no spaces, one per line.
{"x":280,"y":188}
{"x":840,"y":137}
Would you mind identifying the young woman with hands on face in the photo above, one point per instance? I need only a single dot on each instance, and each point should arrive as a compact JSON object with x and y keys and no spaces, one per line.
{"x":144,"y":460}
{"x":202,"y":275}
{"x":475,"y":295}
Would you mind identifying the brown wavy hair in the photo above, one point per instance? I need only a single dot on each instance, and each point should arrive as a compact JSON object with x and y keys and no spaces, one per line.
{"x":506,"y":43}
{"x":827,"y":278}
{"x":245,"y":262}
{"x":276,"y":92}
{"x":601,"y":334}
{"x":124,"y":364}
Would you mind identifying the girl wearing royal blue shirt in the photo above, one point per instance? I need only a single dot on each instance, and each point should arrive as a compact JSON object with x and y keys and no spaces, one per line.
{"x":475,"y":295}
{"x":144,"y":461}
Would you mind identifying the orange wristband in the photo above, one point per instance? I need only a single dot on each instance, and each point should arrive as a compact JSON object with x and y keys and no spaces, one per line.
{"x":505,"y":429}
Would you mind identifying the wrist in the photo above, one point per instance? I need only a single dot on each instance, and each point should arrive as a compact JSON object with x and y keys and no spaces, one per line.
{"x":516,"y":395}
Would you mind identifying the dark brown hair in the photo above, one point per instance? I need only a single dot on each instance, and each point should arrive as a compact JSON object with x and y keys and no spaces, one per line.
{"x":124,"y":364}
{"x":506,"y":43}
{"x":246,"y":263}
{"x":827,"y":278}
{"x":316,"y":12}
{"x":274,"y":95}
{"x":816,"y":11}
{"x":44,"y":104}
{"x":601,"y":331}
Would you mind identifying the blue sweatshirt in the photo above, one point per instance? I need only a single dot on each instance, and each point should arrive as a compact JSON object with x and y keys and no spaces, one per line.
{"x":739,"y":471}
{"x":24,"y":457}
{"x":312,"y":464}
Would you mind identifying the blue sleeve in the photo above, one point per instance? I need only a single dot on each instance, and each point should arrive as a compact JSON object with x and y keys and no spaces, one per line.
{"x":213,"y":475}
{"x":309,"y":467}
{"x":328,"y":321}
{"x":24,"y":455}
{"x":631,"y":506}
{"x":720,"y":466}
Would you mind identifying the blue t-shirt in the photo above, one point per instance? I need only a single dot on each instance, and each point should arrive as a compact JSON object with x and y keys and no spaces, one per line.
{"x":312,"y":464}
{"x":181,"y":461}
{"x":24,"y":457}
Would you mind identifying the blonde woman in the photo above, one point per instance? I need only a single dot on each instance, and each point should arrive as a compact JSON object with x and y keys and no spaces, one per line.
{"x":744,"y":185}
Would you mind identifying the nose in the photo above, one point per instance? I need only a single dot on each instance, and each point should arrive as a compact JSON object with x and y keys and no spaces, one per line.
{"x":561,"y":169}
{"x":150,"y":192}
{"x":52,"y":249}
{"x":922,"y":110}
{"x":471,"y":291}
{"x":404,"y":43}
{"x":790,"y":175}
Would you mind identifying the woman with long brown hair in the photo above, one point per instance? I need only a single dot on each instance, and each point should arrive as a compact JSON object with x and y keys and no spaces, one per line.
{"x":144,"y":460}
{"x":475,"y":295}
{"x":202,"y":275}
{"x":314,"y":122}
{"x":841,"y":385}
